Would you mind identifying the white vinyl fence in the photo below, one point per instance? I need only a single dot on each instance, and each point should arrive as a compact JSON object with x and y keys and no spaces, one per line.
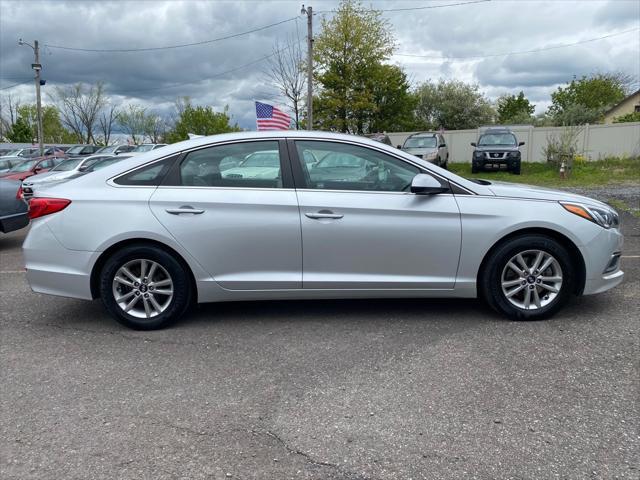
{"x":594,"y":141}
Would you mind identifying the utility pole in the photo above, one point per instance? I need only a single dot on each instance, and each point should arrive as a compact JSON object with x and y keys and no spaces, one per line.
{"x":37,"y":67}
{"x":309,"y":12}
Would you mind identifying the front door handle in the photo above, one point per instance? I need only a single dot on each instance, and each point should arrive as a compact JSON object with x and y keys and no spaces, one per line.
{"x":323,"y":214}
{"x":184,"y":209}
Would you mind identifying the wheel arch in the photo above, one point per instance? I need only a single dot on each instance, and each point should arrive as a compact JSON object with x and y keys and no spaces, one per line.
{"x":565,"y":241}
{"x":104,"y":256}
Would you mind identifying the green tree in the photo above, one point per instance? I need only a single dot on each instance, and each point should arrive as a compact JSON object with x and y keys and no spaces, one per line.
{"x":586,"y":99}
{"x":453,"y":105}
{"x":199,"y":120}
{"x":348,"y":55}
{"x":52,"y":129}
{"x":515,"y":109}
{"x":629,"y":117}
{"x":20,"y":132}
{"x":133,"y":121}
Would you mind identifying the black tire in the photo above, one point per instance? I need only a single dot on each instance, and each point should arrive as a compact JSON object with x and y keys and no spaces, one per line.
{"x":474,"y":168}
{"x":445,"y":165}
{"x":516,"y":169}
{"x":176,"y":306}
{"x":490,"y":279}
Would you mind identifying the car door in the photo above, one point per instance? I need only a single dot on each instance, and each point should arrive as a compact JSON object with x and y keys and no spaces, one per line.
{"x":364,"y":229}
{"x":242,"y":228}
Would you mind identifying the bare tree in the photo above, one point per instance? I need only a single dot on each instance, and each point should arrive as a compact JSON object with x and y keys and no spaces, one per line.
{"x":79,"y":108}
{"x":133,"y":121}
{"x":108,"y":117}
{"x":8,"y":113}
{"x":155,"y":128}
{"x":287,"y":72}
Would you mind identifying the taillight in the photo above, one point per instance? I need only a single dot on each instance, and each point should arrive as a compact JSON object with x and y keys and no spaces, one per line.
{"x":20,"y":193}
{"x":41,"y":206}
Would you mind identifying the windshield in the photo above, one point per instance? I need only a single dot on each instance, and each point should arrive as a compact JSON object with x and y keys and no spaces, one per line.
{"x":105,"y":163}
{"x":24,"y":166}
{"x":143,"y":148}
{"x":262,"y":159}
{"x":340,"y":160}
{"x":109,"y":149}
{"x":75,"y":150}
{"x":497,"y":139}
{"x":421,"y":142}
{"x":66,"y":166}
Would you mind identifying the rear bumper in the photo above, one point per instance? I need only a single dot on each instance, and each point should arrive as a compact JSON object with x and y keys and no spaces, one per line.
{"x":14,"y":222}
{"x":53,"y":269}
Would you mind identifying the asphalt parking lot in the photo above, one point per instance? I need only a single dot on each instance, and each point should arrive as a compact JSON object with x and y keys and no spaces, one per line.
{"x":321,"y":389}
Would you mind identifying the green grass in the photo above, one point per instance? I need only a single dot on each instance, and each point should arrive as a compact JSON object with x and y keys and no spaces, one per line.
{"x":622,"y":206}
{"x":588,"y":174}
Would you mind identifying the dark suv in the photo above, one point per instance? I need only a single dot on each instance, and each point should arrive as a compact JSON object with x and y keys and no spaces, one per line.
{"x":497,"y":147}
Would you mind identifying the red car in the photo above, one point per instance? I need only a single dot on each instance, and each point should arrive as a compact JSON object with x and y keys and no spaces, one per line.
{"x":31,"y":167}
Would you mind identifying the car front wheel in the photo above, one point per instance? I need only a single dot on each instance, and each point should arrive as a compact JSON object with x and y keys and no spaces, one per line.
{"x":528,"y":278}
{"x":144,"y":287}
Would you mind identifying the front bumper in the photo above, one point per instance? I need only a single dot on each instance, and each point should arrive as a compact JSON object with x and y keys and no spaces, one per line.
{"x":602,"y":273}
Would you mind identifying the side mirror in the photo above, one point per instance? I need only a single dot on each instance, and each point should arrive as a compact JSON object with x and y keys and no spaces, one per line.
{"x":473,"y":144}
{"x":82,"y":168}
{"x":423,"y":184}
{"x":399,"y":147}
{"x":37,"y":170}
{"x":442,"y":146}
{"x":520,"y":144}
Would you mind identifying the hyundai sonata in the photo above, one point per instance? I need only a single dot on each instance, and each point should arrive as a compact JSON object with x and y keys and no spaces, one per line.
{"x":185,"y":223}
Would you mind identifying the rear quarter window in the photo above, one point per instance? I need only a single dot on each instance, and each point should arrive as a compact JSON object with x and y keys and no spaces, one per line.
{"x":147,"y":175}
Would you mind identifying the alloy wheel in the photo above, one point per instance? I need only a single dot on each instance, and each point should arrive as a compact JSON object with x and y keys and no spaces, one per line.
{"x":531,"y":279}
{"x":142,"y":288}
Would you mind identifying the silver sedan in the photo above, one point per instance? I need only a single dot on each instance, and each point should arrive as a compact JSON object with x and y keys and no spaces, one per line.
{"x":197,"y":222}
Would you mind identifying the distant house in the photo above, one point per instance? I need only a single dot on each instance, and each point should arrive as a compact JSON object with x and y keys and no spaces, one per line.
{"x":628,"y":105}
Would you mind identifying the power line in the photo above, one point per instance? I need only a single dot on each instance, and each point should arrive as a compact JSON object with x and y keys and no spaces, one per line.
{"x":169,"y":47}
{"x":253,"y":62}
{"x":407,"y":9}
{"x":521,"y":51}
{"x":16,"y":84}
{"x":235,"y":35}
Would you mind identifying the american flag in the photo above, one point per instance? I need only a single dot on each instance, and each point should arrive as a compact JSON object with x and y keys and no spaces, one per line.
{"x":269,"y":117}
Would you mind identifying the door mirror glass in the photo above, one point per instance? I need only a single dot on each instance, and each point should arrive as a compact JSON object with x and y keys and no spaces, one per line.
{"x":423,"y":184}
{"x":473,"y":144}
{"x":520,"y":144}
{"x":442,"y":145}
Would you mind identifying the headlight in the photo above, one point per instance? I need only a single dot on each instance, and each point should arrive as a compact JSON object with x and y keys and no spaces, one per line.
{"x":431,"y":156}
{"x":479,"y":154}
{"x":605,"y":217}
{"x":514,"y":154}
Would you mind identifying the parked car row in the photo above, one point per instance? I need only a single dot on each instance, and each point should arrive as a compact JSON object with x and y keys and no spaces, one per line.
{"x":25,"y":171}
{"x":23,"y":163}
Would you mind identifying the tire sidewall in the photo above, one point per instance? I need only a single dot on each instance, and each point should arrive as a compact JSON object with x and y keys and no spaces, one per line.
{"x":180,"y":279}
{"x":491,"y":287}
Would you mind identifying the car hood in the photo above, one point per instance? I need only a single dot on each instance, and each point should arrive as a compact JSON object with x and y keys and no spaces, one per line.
{"x":251,"y":172}
{"x":420,"y":151}
{"x":501,"y":148}
{"x":517,"y":190}
{"x":50,"y":177}
{"x":16,"y":176}
{"x":41,"y":177}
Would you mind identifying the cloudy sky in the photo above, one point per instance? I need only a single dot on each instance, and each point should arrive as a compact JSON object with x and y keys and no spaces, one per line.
{"x":465,"y":42}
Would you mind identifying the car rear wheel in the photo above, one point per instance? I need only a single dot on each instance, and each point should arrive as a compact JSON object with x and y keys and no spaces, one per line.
{"x":528,"y":277}
{"x":144,"y":287}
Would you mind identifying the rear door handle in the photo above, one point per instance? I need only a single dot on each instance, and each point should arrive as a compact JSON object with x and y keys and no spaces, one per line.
{"x":323,"y":215}
{"x":184,"y":209}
